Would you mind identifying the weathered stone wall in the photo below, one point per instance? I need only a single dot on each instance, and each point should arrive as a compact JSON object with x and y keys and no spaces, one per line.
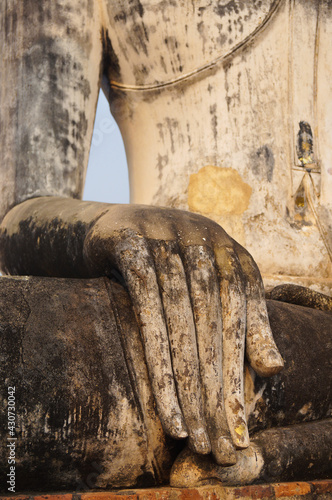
{"x":211,"y":109}
{"x":223,"y":107}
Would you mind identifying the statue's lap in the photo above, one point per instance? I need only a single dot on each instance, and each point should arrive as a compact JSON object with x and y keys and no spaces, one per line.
{"x":83,"y":411}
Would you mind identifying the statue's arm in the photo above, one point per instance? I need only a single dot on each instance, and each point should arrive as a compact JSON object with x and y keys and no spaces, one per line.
{"x":197,"y":295}
{"x":51,"y":63}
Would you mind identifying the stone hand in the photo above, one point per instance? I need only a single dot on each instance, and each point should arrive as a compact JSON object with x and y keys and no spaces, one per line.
{"x":199,"y":301}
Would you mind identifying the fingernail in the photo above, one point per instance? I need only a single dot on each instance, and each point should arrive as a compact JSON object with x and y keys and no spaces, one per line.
{"x":224,"y":452}
{"x":178,"y":427}
{"x":199,"y":441}
{"x":241,"y":436}
{"x":273,"y":362}
{"x":276,"y":358}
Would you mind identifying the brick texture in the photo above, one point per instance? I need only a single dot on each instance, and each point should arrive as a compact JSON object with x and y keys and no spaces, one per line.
{"x":292,"y":491}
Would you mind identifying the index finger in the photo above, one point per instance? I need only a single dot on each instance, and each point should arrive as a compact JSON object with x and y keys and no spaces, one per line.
{"x":133,"y":259}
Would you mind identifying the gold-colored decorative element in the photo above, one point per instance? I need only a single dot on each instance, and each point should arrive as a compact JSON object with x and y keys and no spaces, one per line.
{"x":218,"y":190}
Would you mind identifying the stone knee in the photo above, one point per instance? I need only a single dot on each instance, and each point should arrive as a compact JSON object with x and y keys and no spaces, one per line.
{"x":74,"y":367}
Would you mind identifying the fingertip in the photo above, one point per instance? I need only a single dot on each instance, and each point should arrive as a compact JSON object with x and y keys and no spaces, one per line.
{"x":268,"y":363}
{"x":179,"y":426}
{"x":262,"y":351}
{"x":199,"y":441}
{"x":175,"y":426}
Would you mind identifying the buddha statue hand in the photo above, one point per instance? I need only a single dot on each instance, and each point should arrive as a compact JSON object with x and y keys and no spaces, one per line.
{"x":199,"y":301}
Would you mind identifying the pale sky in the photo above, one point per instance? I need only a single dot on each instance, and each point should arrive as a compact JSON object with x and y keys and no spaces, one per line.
{"x":107,"y":177}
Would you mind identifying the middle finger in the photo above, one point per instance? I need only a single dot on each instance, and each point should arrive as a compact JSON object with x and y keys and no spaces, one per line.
{"x":205,"y":297}
{"x":181,"y":329}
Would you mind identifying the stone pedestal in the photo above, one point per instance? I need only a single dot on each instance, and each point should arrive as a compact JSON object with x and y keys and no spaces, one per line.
{"x":78,"y":411}
{"x":320,"y":490}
